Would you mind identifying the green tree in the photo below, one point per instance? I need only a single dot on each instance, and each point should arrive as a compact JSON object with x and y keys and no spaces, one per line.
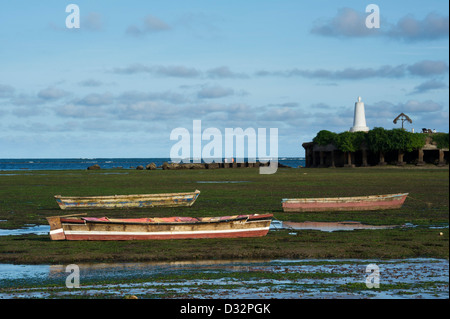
{"x":399,"y":139}
{"x":350,"y":141}
{"x":325,"y":137}
{"x":441,"y":139}
{"x":418,"y":140}
{"x":378,"y":140}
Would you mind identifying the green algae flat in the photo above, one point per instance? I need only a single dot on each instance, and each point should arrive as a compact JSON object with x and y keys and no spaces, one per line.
{"x":27,"y":198}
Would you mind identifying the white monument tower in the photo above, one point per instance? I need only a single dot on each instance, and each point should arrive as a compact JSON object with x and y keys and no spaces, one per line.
{"x":359,"y":119}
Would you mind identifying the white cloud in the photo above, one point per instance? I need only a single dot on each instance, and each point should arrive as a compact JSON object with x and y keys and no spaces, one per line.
{"x":52,"y":93}
{"x":96,"y":99}
{"x":90,"y":83}
{"x":169,"y":71}
{"x":80,"y":111}
{"x":136,"y":96}
{"x":417,"y":106}
{"x":224,"y":72}
{"x":214,"y":92}
{"x":429,"y":86}
{"x":427,"y":68}
{"x":349,"y":23}
{"x":176,"y":71}
{"x":421,"y":69}
{"x":433,"y":26}
{"x":6,"y":91}
{"x":151,"y":24}
{"x":92,"y":22}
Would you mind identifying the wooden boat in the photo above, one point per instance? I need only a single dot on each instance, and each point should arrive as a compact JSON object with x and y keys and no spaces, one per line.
{"x":89,"y":228}
{"x":127,"y":201}
{"x":374,"y":202}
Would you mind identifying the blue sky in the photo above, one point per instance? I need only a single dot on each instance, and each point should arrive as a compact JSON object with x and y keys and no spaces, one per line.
{"x":136,"y":70}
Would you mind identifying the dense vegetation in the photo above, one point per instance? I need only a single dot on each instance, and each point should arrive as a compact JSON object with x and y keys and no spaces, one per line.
{"x":379,"y":140}
{"x":441,"y":140}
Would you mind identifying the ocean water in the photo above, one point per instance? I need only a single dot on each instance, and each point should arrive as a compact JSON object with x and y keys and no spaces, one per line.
{"x":14,"y":164}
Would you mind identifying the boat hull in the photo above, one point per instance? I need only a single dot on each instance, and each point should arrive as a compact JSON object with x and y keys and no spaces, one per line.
{"x":127,"y":201}
{"x":106,"y":229}
{"x":360,"y":203}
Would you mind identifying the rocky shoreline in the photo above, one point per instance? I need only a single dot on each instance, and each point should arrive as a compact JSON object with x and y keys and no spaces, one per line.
{"x":176,"y":166}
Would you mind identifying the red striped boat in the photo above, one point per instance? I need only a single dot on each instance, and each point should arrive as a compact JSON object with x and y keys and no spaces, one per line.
{"x":357,"y":203}
{"x":90,"y":228}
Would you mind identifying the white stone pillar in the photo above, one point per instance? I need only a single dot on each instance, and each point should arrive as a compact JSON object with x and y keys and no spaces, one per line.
{"x":359,"y":119}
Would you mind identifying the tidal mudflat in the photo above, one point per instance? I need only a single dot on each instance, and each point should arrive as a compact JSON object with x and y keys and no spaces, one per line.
{"x":409,"y":245}
{"x":422,"y":278}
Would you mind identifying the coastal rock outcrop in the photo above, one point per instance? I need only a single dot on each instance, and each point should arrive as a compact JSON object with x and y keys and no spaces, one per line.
{"x":212,"y":165}
{"x":166,"y":165}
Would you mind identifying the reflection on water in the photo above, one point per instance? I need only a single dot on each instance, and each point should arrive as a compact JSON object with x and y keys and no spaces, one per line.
{"x":324,"y":226}
{"x":34,"y":229}
{"x":275,"y":225}
{"x":332,"y":226}
{"x":222,"y":182}
{"x":409,"y":278}
{"x":10,"y":271}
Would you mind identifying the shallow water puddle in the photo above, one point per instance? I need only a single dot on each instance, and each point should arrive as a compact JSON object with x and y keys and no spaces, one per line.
{"x":409,"y":278}
{"x":222,"y":182}
{"x":275,"y":225}
{"x":341,"y":226}
{"x":331,"y":226}
{"x":33,"y":229}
